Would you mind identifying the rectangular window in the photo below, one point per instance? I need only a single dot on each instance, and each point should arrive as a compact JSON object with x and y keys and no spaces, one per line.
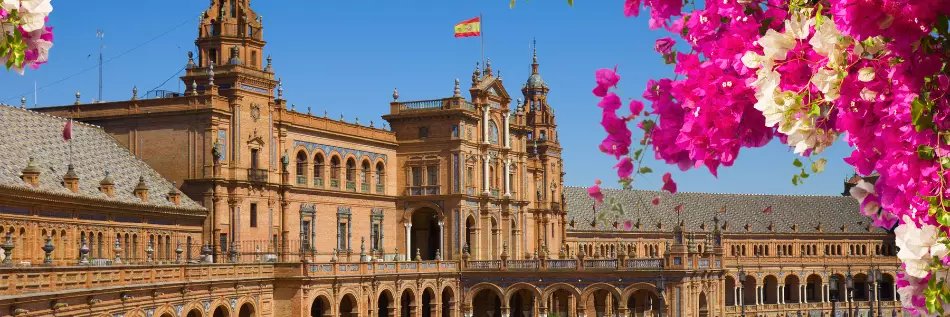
{"x":254,"y":158}
{"x":433,"y":175}
{"x":305,"y":226}
{"x":417,"y":176}
{"x":223,"y":240}
{"x":253,"y":215}
{"x":375,"y":245}
{"x":469,"y":176}
{"x":341,"y":236}
{"x":423,"y":132}
{"x":455,"y":131}
{"x":213,"y":56}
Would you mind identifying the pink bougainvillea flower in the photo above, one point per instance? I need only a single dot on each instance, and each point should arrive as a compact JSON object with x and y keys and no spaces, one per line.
{"x":606,"y":78}
{"x":631,"y":8}
{"x":594,"y":192}
{"x":679,"y":208}
{"x":628,"y":225}
{"x":655,"y":201}
{"x":664,"y":45}
{"x":668,"y":183}
{"x":624,"y":167}
{"x":610,"y":102}
{"x":635,"y":107}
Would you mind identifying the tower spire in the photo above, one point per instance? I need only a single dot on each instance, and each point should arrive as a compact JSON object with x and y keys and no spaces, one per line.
{"x":534,"y":57}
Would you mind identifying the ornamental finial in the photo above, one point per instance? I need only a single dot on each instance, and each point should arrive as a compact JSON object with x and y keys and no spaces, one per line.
{"x":395,"y":94}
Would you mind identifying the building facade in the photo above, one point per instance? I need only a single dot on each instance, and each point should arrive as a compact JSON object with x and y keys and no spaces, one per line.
{"x":459,"y":209}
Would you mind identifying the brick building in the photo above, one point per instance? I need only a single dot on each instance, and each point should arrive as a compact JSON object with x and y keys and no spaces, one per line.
{"x":459,"y":209}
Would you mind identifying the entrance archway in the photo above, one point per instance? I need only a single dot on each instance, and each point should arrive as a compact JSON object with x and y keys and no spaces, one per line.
{"x":385,"y":306}
{"x":428,"y":307}
{"x":748,"y":291}
{"x":703,"y":306}
{"x":448,"y":302}
{"x":221,"y":311}
{"x":521,"y":304}
{"x":425,"y":233}
{"x":643,"y":303}
{"x":813,"y":291}
{"x":246,"y":310}
{"x":348,"y":306}
{"x":486,"y":303}
{"x":407,"y":303}
{"x":320,"y":308}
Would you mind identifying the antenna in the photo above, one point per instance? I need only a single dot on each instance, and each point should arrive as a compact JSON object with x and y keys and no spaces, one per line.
{"x":100,"y":35}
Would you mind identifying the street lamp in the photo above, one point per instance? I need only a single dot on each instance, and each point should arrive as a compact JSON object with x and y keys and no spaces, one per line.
{"x":742,"y":279}
{"x":875,"y":278}
{"x":849,"y":285}
{"x":833,"y":294}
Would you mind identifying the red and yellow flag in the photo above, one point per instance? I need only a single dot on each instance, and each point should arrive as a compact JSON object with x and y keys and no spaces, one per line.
{"x":467,"y":28}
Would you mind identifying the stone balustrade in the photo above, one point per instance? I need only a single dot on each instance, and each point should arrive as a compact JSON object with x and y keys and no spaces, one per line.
{"x":647,"y":264}
{"x":887,"y":308}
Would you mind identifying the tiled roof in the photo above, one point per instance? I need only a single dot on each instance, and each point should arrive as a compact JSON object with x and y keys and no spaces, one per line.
{"x":26,"y":134}
{"x":832,"y":212}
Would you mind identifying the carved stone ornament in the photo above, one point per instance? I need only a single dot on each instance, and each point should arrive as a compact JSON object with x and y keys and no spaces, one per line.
{"x":256,"y":111}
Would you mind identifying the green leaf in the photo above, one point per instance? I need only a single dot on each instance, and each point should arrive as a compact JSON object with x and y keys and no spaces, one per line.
{"x":925,"y":152}
{"x":512,"y":5}
{"x":819,"y":165}
{"x":570,"y":2}
{"x":797,"y":163}
{"x":943,"y":218}
{"x":795,"y":180}
{"x":944,"y":162}
{"x":803,"y":174}
{"x":920,"y":112}
{"x":814,"y":111}
{"x":636,"y":154}
{"x":818,"y":16}
{"x":645,"y":170}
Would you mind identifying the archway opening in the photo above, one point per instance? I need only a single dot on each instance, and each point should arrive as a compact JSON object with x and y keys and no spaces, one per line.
{"x":887,"y":287}
{"x":601,"y":303}
{"x":495,"y":248}
{"x":448,"y":302}
{"x":348,"y":306}
{"x":861,"y":290}
{"x":703,"y":305}
{"x":407,"y":304}
{"x":770,"y":290}
{"x":167,"y":315}
{"x":730,"y":291}
{"x":791,"y":293}
{"x":320,"y":308}
{"x":425,"y":233}
{"x":643,"y":303}
{"x":521,"y":304}
{"x":486,"y":303}
{"x":194,"y":313}
{"x":246,"y":310}
{"x":428,"y":309}
{"x":841,"y":294}
{"x":384,"y":305}
{"x":560,"y":303}
{"x":748,"y":291}
{"x":813,"y":288}
{"x":470,"y":235}
{"x":221,"y":311}
{"x":301,"y":168}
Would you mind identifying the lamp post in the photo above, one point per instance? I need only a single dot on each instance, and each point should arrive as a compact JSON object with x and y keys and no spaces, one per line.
{"x":875,"y":278}
{"x":742,"y":290}
{"x":849,"y":286}
{"x":833,"y":294}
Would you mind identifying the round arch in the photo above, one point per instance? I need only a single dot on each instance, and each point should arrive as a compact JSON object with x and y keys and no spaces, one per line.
{"x":407,"y":302}
{"x":637,"y":287}
{"x":485,"y":300}
{"x":193,"y":309}
{"x":221,"y":310}
{"x":348,"y":305}
{"x":165,"y":311}
{"x":590,"y":289}
{"x":247,"y":309}
{"x":703,"y":305}
{"x":428,"y":300}
{"x":385,"y":303}
{"x":425,"y":233}
{"x":483,"y":286}
{"x":770,"y":289}
{"x":560,"y":286}
{"x":514,"y":288}
{"x":320,"y":307}
{"x":418,"y":205}
{"x":448,"y":301}
{"x":592,"y":302}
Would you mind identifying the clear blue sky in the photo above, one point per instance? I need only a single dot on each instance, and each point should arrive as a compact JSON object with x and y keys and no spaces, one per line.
{"x":347,"y":56}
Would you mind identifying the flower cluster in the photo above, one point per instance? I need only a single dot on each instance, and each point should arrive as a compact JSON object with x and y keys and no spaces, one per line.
{"x":25,"y":40}
{"x":873,"y":73}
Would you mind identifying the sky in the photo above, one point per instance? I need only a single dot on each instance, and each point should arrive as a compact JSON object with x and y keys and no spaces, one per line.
{"x":346,"y":57}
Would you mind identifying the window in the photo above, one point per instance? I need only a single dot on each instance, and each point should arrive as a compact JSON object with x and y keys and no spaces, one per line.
{"x":335,"y":168}
{"x":380,"y":171}
{"x":223,"y":240}
{"x":374,"y":240}
{"x":305,"y":235}
{"x":417,"y":176}
{"x":350,"y":170}
{"x":254,"y":158}
{"x":301,"y":164}
{"x":376,"y":230}
{"x":253,"y":215}
{"x":433,"y":175}
{"x":455,"y":131}
{"x":318,"y":166}
{"x":364,"y":174}
{"x":343,"y":228}
{"x":253,"y":58}
{"x":469,"y":175}
{"x":341,"y":236}
{"x":213,"y":55}
{"x":233,"y":9}
{"x":423,"y":132}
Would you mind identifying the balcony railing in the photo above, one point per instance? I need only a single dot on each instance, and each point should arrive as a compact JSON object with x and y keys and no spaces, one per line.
{"x":649,"y":264}
{"x":424,"y":190}
{"x":334,"y":183}
{"x":301,"y":180}
{"x":351,"y":186}
{"x":364,"y":188}
{"x":318,"y":182}
{"x":257,"y":175}
{"x":380,"y":189}
{"x":494,"y":192}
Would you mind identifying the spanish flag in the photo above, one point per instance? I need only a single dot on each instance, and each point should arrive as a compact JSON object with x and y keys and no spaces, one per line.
{"x":471,"y":27}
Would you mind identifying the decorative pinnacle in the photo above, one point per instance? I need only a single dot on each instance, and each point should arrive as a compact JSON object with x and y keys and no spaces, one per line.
{"x":395,"y":94}
{"x":77,"y":97}
{"x":23,"y":102}
{"x":458,"y":91}
{"x":280,"y":87}
{"x":135,"y":92}
{"x":194,"y":87}
{"x":211,"y":73}
{"x":534,"y":49}
{"x":293,"y":107}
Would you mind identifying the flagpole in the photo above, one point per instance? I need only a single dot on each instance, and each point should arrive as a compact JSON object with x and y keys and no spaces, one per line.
{"x":481,"y":31}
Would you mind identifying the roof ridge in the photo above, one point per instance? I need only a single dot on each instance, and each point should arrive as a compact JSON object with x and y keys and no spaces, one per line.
{"x":708,"y":193}
{"x":36,"y":113}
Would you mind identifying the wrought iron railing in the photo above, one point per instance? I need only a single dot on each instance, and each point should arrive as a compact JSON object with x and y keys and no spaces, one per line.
{"x":351,"y":186}
{"x":257,"y":175}
{"x":301,"y":180}
{"x":380,"y":189}
{"x":318,"y":181}
{"x":364,"y":188}
{"x":334,"y":183}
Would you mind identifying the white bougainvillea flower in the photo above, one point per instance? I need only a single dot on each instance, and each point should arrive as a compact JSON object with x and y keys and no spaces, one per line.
{"x":775,"y":45}
{"x":10,"y":5}
{"x":827,"y":38}
{"x":917,"y":246}
{"x":828,"y":83}
{"x":799,"y":25}
{"x":34,"y":13}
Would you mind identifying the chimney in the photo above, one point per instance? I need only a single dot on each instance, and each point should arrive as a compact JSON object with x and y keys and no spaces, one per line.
{"x":31,"y":174}
{"x":795,"y":228}
{"x":71,"y":179}
{"x":107,"y":185}
{"x":141,"y":190}
{"x":173,"y":195}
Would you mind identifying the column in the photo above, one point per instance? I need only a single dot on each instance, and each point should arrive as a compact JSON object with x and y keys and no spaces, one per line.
{"x":442,"y":238}
{"x":781,"y":294}
{"x":802,"y":297}
{"x":507,"y":173}
{"x":741,"y":296}
{"x":758,"y":295}
{"x":506,"y":117}
{"x":408,"y":239}
{"x":485,"y":174}
{"x":485,"y":124}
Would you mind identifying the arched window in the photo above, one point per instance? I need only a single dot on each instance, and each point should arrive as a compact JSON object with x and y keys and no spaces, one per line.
{"x":301,"y":168}
{"x":335,"y":167}
{"x":492,"y":132}
{"x":350,"y":170}
{"x":380,"y":177}
{"x":318,"y":169}
{"x":364,"y":173}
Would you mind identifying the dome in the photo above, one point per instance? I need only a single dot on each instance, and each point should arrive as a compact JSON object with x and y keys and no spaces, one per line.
{"x":535,"y":80}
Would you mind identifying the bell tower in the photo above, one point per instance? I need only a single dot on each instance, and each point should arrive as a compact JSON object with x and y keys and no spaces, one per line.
{"x":231,"y":38}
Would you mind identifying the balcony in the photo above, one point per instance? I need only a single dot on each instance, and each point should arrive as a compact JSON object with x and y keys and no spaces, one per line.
{"x":424,"y":190}
{"x":257,"y":175}
{"x":318,"y":182}
{"x":494,"y":192}
{"x":364,"y":188}
{"x":380,"y":189}
{"x":301,"y":180}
